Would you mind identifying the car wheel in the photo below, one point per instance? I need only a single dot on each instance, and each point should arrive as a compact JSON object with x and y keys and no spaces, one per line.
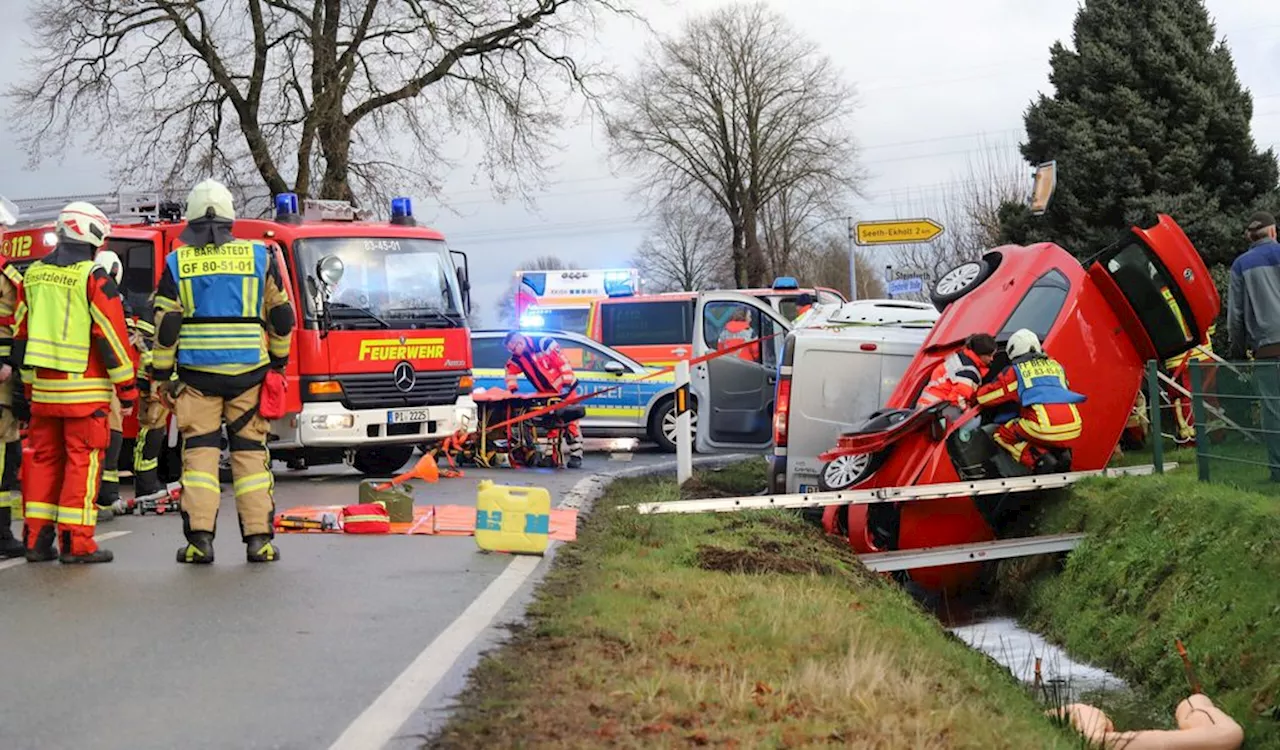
{"x":843,"y":472}
{"x":663,"y":425}
{"x":959,"y":281}
{"x":382,"y":461}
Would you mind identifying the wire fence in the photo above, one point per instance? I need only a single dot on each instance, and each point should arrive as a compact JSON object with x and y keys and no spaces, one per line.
{"x":1223,"y":416}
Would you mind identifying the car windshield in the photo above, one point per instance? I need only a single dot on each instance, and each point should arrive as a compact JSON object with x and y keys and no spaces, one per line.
{"x":1154,"y":296}
{"x":385,"y":279}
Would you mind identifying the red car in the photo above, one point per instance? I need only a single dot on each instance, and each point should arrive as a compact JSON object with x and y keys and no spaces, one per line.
{"x":1102,"y":320}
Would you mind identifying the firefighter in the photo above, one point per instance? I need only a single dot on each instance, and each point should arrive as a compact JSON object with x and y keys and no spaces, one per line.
{"x":547,"y":370}
{"x":738,"y":331}
{"x":11,"y":453}
{"x":1047,"y":416}
{"x":216,"y":296}
{"x":71,"y":334}
{"x":958,"y":377}
{"x":108,"y":499}
{"x":153,"y":418}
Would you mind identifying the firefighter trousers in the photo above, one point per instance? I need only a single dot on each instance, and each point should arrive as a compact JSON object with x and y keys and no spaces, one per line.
{"x":153,"y":419}
{"x":10,"y":452}
{"x":109,"y":487}
{"x":200,"y":419}
{"x":60,"y":484}
{"x":572,"y":437}
{"x":1029,"y":435}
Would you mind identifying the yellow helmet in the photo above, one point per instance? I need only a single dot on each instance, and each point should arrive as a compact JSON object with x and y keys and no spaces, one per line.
{"x":210,"y":196}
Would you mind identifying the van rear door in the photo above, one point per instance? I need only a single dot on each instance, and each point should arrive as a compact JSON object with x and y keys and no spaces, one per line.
{"x":735,"y":392}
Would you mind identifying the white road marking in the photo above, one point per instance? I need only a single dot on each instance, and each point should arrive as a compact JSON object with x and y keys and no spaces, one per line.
{"x":97,"y":537}
{"x":382,"y":719}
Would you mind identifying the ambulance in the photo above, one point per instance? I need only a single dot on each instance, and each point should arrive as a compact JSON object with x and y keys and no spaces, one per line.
{"x":561,"y":300}
{"x":381,"y":357}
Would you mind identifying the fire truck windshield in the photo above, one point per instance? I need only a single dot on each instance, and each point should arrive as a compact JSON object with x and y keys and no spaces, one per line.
{"x":386,"y":281}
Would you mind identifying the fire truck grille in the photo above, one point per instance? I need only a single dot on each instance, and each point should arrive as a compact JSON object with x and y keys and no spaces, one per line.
{"x":380,"y":392}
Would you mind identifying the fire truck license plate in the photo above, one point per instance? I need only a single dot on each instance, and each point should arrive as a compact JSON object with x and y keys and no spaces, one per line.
{"x":404,"y":416}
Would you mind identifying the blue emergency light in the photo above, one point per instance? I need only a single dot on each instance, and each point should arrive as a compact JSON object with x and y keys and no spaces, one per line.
{"x":402,"y":211}
{"x":532,"y":320}
{"x":287,"y":208}
{"x":786,"y":282}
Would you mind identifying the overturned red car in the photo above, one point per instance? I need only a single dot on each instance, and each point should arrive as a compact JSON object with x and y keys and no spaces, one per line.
{"x":1101,"y":319}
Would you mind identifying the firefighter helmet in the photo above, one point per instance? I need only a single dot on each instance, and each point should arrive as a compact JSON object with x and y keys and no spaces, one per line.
{"x":1022,"y":343}
{"x":110,"y":262}
{"x":210,"y":199}
{"x":83,"y":222}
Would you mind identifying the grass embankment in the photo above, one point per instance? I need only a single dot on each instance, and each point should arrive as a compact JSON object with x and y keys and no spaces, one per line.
{"x":1167,"y":558}
{"x":737,"y":630}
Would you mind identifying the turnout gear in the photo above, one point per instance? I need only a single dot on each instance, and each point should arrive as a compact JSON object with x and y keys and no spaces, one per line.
{"x":153,"y":419}
{"x":543,"y":364}
{"x":68,"y":302}
{"x":222,"y":318}
{"x":10,"y":442}
{"x":1047,"y":417}
{"x":108,"y":498}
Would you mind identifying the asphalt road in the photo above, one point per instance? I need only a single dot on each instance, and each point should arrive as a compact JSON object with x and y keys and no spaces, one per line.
{"x":340,"y":639}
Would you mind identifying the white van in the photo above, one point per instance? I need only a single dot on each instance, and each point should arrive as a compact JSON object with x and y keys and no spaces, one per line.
{"x":838,"y":366}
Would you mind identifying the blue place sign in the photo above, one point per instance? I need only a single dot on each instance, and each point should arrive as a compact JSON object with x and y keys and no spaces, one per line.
{"x":912,"y":285}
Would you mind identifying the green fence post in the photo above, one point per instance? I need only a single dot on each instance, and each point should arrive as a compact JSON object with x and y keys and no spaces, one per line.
{"x":1156,"y":435}
{"x":1197,"y":413}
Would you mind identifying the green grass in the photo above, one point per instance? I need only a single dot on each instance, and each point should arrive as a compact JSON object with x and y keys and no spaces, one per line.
{"x":1168,"y":558}
{"x":737,"y":630}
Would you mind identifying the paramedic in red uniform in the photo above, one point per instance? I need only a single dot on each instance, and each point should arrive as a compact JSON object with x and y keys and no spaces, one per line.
{"x":71,"y":334}
{"x":958,"y":377}
{"x":543,"y":364}
{"x":1048,"y":417}
{"x":736,"y":332}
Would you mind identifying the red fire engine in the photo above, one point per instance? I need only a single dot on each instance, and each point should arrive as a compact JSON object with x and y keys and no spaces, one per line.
{"x":381,"y":352}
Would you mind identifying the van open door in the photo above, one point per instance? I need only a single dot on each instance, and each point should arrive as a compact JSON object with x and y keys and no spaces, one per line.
{"x":735,"y":392}
{"x":1159,"y":288}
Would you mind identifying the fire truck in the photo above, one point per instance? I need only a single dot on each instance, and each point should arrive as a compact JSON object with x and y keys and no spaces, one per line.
{"x":381,"y":356}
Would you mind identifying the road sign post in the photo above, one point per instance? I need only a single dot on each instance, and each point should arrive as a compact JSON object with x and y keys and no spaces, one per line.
{"x":684,"y":432}
{"x":896,"y":231}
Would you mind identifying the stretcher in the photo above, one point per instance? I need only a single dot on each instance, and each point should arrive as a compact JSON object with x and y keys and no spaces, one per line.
{"x":513,"y":429}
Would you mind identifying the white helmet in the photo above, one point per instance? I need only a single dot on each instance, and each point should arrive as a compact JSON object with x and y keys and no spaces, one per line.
{"x":108,"y":261}
{"x":210,"y":194}
{"x":83,"y":222}
{"x":1022,"y":343}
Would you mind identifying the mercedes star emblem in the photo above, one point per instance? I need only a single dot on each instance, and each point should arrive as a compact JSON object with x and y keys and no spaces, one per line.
{"x":404,"y":377}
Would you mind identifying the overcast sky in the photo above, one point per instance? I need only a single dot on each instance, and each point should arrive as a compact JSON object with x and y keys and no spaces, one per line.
{"x":938,"y":83}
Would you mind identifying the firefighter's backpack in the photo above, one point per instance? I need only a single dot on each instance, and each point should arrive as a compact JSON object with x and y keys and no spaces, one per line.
{"x":512,"y":519}
{"x":366,"y":519}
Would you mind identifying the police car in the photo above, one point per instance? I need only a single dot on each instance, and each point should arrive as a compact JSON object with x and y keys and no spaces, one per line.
{"x":638,"y":409}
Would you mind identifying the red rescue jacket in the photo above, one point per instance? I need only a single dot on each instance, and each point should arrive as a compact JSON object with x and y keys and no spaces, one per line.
{"x":958,"y":376}
{"x":543,"y":364}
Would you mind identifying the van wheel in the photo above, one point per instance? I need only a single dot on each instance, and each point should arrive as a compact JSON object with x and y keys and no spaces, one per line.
{"x":382,"y":461}
{"x":662,"y":426}
{"x":843,"y":472}
{"x":959,"y":281}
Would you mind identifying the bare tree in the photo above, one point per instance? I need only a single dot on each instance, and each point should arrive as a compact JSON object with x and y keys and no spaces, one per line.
{"x":686,"y":251}
{"x":825,"y":262}
{"x":505,"y":308}
{"x":738,"y":109}
{"x":327,"y":98}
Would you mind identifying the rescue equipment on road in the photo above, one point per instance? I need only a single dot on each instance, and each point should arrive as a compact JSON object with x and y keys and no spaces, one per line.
{"x":397,"y":501}
{"x":512,"y":519}
{"x":369,"y":518}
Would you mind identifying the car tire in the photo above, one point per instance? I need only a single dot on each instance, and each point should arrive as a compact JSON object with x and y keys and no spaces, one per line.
{"x":383,"y":460}
{"x":662,"y":425}
{"x":959,"y":281}
{"x":843,"y":472}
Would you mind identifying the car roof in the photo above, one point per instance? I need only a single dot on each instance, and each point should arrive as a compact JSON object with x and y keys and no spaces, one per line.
{"x":877,"y":334}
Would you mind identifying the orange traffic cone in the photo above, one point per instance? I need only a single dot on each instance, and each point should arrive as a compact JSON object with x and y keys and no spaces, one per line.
{"x":425,"y":469}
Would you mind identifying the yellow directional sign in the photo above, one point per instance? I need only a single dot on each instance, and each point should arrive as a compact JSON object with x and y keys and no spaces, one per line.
{"x":896,"y":231}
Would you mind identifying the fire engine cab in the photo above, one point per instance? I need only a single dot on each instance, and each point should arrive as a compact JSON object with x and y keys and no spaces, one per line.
{"x":381,"y":357}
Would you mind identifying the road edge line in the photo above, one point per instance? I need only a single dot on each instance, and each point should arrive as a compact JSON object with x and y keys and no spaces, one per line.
{"x":7,"y":564}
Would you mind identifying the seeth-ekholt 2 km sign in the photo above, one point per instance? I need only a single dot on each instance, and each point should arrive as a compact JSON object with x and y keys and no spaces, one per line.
{"x":896,"y":231}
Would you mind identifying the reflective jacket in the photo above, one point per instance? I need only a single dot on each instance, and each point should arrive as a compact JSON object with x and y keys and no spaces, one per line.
{"x":543,"y":364}
{"x":958,"y":376}
{"x":1031,"y":381}
{"x":71,"y":389}
{"x":737,"y":332}
{"x":10,"y":288}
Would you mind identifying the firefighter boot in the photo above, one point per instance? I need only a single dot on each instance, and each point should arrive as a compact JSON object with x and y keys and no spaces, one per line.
{"x":10,"y":546}
{"x":258,"y":549}
{"x":146,"y":466}
{"x":69,"y":556}
{"x":41,"y":548}
{"x":109,"y":485}
{"x":198,"y":550}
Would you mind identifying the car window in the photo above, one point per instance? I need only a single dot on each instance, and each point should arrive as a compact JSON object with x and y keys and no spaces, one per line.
{"x":1154,"y":296}
{"x":787,"y":307}
{"x":583,"y":358}
{"x":138,"y":280}
{"x":727,"y":324}
{"x":1040,"y":306}
{"x":488,"y":353}
{"x":646,"y":323}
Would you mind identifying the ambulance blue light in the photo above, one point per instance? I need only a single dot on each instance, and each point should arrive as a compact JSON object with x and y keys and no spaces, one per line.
{"x":532,"y":320}
{"x":621,"y":291}
{"x":286,"y":205}
{"x":786,"y":282}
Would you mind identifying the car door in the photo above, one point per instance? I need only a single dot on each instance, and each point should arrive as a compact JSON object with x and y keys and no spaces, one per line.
{"x":598,"y":372}
{"x":735,"y":392}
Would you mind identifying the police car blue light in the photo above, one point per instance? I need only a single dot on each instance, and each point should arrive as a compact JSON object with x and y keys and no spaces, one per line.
{"x":786,"y":282}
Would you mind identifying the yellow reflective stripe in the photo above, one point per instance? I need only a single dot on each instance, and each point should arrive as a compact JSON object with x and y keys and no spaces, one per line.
{"x":162,"y":359}
{"x":186,"y":295}
{"x":42,"y":511}
{"x":249,"y":297}
{"x":88,"y":397}
{"x":200,"y":480}
{"x":13,"y":274}
{"x":145,"y":326}
{"x":198,"y":327}
{"x":233,"y":369}
{"x":165,"y":304}
{"x":88,"y":510}
{"x":5,"y":350}
{"x":219,"y":344}
{"x":366,"y":519}
{"x":253,"y":483}
{"x":72,"y":384}
{"x":111,"y":475}
{"x":278,"y":345}
{"x":11,"y":500}
{"x":113,"y":340}
{"x":19,"y":313}
{"x":77,"y":517}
